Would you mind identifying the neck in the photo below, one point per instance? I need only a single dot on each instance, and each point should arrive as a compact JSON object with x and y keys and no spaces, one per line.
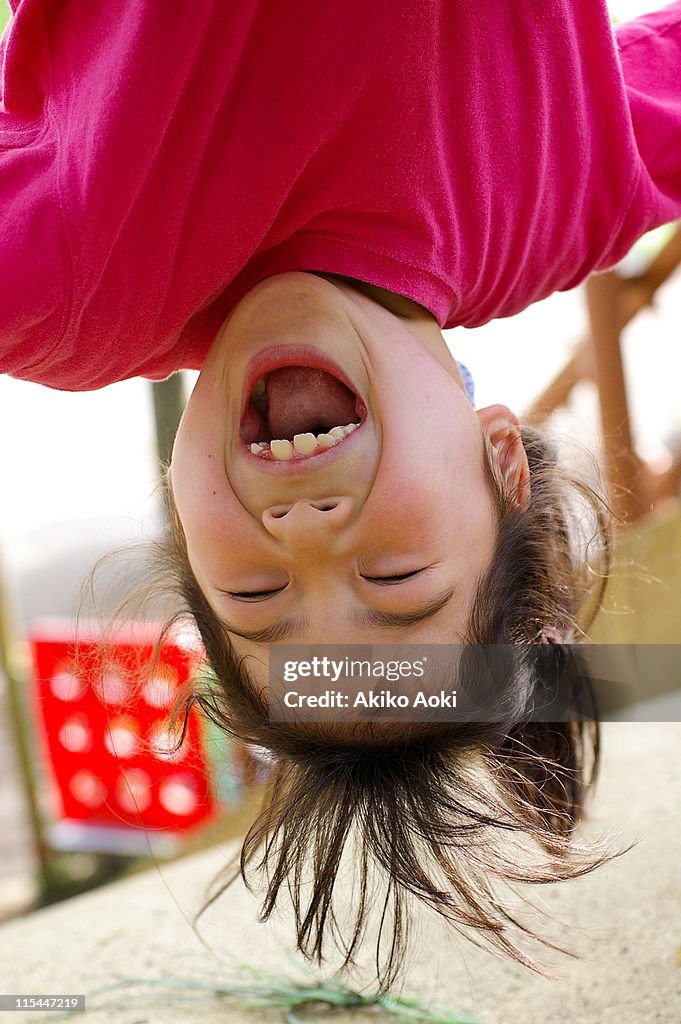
{"x":400,"y":305}
{"x":421,"y":321}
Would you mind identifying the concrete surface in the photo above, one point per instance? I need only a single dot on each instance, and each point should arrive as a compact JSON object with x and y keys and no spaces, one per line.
{"x":624,"y":920}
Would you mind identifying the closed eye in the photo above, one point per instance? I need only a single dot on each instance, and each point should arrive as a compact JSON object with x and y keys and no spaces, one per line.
{"x":392,"y":579}
{"x":261,"y":595}
{"x":253,"y":595}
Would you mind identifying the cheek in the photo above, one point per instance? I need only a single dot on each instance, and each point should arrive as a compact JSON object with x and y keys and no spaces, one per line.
{"x":406,"y":505}
{"x":428,"y":480}
{"x":212,"y":535}
{"x":433,"y":501}
{"x":217,"y":528}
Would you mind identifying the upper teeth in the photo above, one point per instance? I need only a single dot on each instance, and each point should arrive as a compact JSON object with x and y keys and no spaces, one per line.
{"x":303,"y":444}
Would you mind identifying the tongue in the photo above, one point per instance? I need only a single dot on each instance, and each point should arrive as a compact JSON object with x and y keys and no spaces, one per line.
{"x":302,"y":399}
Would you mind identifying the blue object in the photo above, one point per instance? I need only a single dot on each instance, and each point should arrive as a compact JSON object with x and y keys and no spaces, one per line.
{"x":468,"y":381}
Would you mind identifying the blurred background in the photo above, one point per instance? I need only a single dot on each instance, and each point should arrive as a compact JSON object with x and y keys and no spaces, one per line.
{"x":80,"y":475}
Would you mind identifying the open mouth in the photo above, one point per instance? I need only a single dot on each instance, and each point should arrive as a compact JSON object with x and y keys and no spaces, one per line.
{"x":296,"y":412}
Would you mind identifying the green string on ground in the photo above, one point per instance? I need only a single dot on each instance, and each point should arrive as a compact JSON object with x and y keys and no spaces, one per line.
{"x":263,"y":991}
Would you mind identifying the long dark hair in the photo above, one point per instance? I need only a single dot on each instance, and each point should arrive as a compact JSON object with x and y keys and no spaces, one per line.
{"x":441,"y":809}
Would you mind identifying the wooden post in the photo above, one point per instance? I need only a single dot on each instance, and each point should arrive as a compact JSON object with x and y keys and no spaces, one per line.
{"x":604,"y":301}
{"x":169,"y":402}
{"x":25,"y":754}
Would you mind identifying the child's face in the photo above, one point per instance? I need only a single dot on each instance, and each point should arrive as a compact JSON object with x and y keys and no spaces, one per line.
{"x":307,"y":550}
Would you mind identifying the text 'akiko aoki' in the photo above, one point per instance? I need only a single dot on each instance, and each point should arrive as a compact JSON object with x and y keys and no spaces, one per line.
{"x":388,"y":699}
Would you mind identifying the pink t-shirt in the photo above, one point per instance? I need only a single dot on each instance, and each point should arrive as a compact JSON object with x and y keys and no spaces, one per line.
{"x":158,"y":158}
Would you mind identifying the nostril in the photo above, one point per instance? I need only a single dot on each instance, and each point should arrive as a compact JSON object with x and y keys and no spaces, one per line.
{"x":321,"y":505}
{"x":279,"y":512}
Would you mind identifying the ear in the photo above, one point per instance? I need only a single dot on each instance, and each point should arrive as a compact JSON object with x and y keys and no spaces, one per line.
{"x":501,"y":431}
{"x":551,"y":635}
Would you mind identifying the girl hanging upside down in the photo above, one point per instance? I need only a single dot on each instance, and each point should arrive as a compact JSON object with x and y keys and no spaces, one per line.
{"x":296,"y":199}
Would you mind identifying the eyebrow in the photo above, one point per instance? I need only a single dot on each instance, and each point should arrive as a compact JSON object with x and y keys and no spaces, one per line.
{"x":285,"y":629}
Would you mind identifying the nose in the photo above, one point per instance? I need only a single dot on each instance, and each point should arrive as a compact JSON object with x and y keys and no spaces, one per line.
{"x":308,"y":523}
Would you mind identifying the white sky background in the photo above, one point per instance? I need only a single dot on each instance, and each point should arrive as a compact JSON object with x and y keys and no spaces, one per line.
{"x":65,"y":458}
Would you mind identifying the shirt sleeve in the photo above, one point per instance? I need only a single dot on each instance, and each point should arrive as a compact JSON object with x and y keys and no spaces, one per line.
{"x":34,"y":262}
{"x":650,"y":54}
{"x":109,"y":137}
